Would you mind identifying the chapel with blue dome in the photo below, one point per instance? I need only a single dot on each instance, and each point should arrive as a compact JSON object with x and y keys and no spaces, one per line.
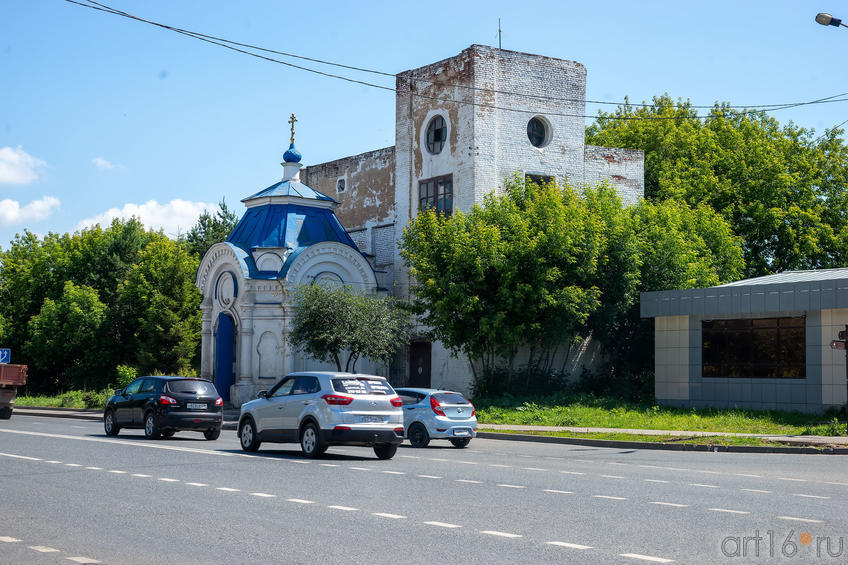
{"x":289,"y":235}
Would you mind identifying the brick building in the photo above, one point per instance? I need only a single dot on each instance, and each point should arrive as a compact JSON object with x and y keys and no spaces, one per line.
{"x":463,"y":125}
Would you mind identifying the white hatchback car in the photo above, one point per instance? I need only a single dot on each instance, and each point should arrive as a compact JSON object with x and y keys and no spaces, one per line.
{"x":319,"y":409}
{"x":437,"y":414}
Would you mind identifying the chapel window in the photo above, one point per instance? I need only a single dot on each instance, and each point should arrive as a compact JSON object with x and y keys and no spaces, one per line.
{"x":436,"y":193}
{"x":437,"y":134}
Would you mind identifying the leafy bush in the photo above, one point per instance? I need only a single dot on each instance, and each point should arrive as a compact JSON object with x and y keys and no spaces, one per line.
{"x":126,"y":375}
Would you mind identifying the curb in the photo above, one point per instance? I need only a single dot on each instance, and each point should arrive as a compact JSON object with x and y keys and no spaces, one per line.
{"x":663,"y":446}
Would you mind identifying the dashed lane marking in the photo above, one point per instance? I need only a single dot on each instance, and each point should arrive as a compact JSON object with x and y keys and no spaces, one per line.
{"x":467,"y":462}
{"x":702,"y":485}
{"x":443,"y":524}
{"x":555,"y":491}
{"x":812,"y":496}
{"x":611,"y":477}
{"x":791,"y":479}
{"x":387,"y":515}
{"x":794,"y":519}
{"x":428,"y":476}
{"x":568,"y":545}
{"x":469,"y":481}
{"x":167,"y":480}
{"x":757,"y":490}
{"x":43,"y":549}
{"x":94,"y":468}
{"x":359,"y":468}
{"x":571,"y":473}
{"x":52,"y":462}
{"x":608,"y":497}
{"x":409,"y":456}
{"x":263,"y":495}
{"x":117,"y":472}
{"x":72,"y":465}
{"x":345,"y":508}
{"x":300,"y":501}
{"x":24,"y":457}
{"x":674,"y":504}
{"x":646,"y":557}
{"x":394,"y":472}
{"x":141,"y":475}
{"x":748,"y":475}
{"x":438,"y":459}
{"x":228,"y":489}
{"x":533,"y":469}
{"x":294,"y":461}
{"x":84,"y":560}
{"x":328,"y":465}
{"x":510,"y":486}
{"x":7,"y":539}
{"x":501,"y":466}
{"x":197,"y":484}
{"x":500,"y":534}
{"x":728,"y":511}
{"x":655,"y":481}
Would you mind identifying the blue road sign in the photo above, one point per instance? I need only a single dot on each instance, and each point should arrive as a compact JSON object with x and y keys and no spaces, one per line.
{"x":5,"y":355}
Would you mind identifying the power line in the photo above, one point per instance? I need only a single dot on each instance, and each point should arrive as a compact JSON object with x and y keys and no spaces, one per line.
{"x":228,"y":44}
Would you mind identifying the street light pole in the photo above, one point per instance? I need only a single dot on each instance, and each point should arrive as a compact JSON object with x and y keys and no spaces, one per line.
{"x":828,"y":20}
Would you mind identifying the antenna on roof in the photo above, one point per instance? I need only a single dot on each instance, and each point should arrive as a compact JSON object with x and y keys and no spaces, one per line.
{"x":499,"y":33}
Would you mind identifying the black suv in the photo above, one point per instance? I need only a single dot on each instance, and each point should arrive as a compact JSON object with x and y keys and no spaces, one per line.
{"x":165,"y":405}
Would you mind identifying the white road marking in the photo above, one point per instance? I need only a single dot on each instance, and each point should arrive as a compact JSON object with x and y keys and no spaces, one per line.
{"x":654,"y":481}
{"x":791,"y":479}
{"x":582,"y":460}
{"x":359,"y":469}
{"x":728,"y":511}
{"x":94,"y":468}
{"x":328,"y":465}
{"x":197,"y":484}
{"x":608,"y":497}
{"x":118,"y":472}
{"x":554,"y":491}
{"x":670,"y":504}
{"x":510,"y":486}
{"x":647,"y":558}
{"x":702,"y":486}
{"x":79,"y":427}
{"x":708,"y":472}
{"x":141,"y":475}
{"x":747,"y":475}
{"x":571,"y":473}
{"x":263,"y":495}
{"x":25,"y":457}
{"x":568,"y":545}
{"x":674,"y":468}
{"x":7,"y":539}
{"x":72,"y":465}
{"x":51,"y":462}
{"x":394,"y":472}
{"x":415,"y":456}
{"x":812,"y":496}
{"x":300,"y":501}
{"x":297,"y":461}
{"x":611,"y":477}
{"x":840,"y":484}
{"x":43,"y":549}
{"x":619,"y":463}
{"x":757,"y":490}
{"x":345,"y":508}
{"x":501,"y":466}
{"x":533,"y":469}
{"x":85,"y":560}
{"x":438,"y":459}
{"x":528,"y":456}
{"x":387,"y":515}
{"x":167,"y":480}
{"x":428,"y":476}
{"x":794,"y":519}
{"x":466,"y":462}
{"x":500,"y":534}
{"x":469,"y":481}
{"x":650,"y":466}
{"x":442,"y":524}
{"x":228,"y":489}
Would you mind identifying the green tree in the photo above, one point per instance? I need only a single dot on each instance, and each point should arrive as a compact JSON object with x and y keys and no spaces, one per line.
{"x":66,"y":340}
{"x":163,"y":308}
{"x":329,"y":321}
{"x":210,"y":229}
{"x":781,"y":188}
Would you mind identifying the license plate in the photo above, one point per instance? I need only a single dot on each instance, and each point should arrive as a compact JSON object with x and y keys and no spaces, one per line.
{"x":195,"y":406}
{"x":372,"y":419}
{"x":461,"y":433}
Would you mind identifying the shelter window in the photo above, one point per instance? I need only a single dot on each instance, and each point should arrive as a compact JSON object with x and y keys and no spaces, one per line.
{"x":436,"y":193}
{"x":754,"y":348}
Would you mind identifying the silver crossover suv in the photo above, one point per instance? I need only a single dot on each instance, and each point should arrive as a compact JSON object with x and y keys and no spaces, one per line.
{"x":437,"y":414}
{"x":319,"y":409}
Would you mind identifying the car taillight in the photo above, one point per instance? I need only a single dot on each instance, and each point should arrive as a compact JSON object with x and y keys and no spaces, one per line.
{"x":337,"y":399}
{"x":396,"y":401}
{"x":167,"y":400}
{"x":399,"y":431}
{"x":219,"y":402}
{"x":436,"y":406}
{"x":473,"y":410}
{"x":342,"y":428}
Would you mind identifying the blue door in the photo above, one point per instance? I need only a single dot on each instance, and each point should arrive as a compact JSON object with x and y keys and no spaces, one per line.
{"x":225,"y":338}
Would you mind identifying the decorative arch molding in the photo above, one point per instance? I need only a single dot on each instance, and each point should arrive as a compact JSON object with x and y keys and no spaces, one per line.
{"x":218,"y":258}
{"x":334,"y":258}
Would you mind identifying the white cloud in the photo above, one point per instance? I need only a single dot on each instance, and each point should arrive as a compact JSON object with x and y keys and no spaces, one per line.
{"x":12,"y":213}
{"x":102,"y":163}
{"x":17,"y":166}
{"x":177,"y":216}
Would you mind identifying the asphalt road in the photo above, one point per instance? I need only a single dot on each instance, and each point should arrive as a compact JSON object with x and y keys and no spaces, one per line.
{"x":71,"y":494}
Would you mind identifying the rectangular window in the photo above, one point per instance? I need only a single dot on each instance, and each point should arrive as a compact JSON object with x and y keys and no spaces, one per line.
{"x":761,"y":348}
{"x":436,"y":193}
{"x":541,"y":180}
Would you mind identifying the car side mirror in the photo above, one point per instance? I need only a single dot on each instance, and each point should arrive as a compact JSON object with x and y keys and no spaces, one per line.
{"x":119,"y":392}
{"x":262,"y":394}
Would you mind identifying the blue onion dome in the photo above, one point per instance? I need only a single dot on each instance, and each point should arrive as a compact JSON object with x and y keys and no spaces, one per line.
{"x":292,"y":155}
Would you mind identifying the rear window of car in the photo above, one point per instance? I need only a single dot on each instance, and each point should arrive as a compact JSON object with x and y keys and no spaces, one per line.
{"x":193,"y":386}
{"x":450,"y":398}
{"x":362,"y":386}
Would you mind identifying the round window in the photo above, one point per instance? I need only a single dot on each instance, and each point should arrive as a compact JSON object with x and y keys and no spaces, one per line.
{"x":538,"y":132}
{"x":437,"y":134}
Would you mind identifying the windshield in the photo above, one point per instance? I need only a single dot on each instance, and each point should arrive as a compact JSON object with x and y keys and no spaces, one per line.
{"x":204,"y":388}
{"x":362,"y":386}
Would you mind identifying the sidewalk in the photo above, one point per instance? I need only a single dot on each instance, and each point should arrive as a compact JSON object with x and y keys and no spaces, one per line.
{"x":506,"y":431}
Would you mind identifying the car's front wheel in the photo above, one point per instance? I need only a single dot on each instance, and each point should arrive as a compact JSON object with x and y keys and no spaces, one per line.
{"x":110,"y":425}
{"x":212,"y":434}
{"x":418,"y":436}
{"x":310,"y":441}
{"x":385,"y":450}
{"x":151,"y":428}
{"x":461,"y":442}
{"x":248,"y":436}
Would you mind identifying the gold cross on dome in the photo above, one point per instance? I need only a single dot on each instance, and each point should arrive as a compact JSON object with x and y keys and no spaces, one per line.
{"x":292,"y":121}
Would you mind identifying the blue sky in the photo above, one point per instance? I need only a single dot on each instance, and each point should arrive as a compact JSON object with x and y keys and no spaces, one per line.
{"x":104,"y":116}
